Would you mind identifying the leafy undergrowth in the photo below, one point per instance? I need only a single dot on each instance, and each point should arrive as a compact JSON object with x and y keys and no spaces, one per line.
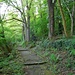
{"x":12,"y":64}
{"x":60,"y":55}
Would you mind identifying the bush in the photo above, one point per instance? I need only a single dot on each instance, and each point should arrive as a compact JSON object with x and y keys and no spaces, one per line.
{"x":9,"y":63}
{"x":60,"y":55}
{"x":61,"y":44}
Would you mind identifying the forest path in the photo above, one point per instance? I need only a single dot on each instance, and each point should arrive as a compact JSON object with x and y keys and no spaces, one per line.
{"x":34,"y":65}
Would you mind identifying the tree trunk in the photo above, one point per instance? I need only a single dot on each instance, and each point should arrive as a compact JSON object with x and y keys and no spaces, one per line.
{"x":71,"y":17}
{"x":51,"y":18}
{"x":40,"y":7}
{"x":2,"y":32}
{"x":63,"y":18}
{"x":72,"y":25}
{"x":28,"y":28}
{"x":26,"y":23}
{"x":72,"y":21}
{"x":23,"y":32}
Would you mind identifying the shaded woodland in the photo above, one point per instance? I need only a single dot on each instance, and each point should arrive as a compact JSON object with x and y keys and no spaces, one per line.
{"x":46,"y":25}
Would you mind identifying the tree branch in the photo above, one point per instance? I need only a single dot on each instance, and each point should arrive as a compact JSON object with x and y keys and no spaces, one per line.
{"x":13,"y":5}
{"x":17,"y":19}
{"x":14,"y":19}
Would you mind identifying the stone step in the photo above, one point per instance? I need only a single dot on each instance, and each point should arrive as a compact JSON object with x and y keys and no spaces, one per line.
{"x":35,"y":63}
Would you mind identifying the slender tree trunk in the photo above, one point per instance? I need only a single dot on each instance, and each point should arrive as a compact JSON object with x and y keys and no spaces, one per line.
{"x":72,"y":21}
{"x":51,"y":18}
{"x":63,"y":18}
{"x":26,"y":23}
{"x":40,"y":9}
{"x":23,"y":32}
{"x":34,"y":16}
{"x":72,"y":25}
{"x":72,"y":18}
{"x":3,"y":35}
{"x":28,"y":28}
{"x":2,"y":27}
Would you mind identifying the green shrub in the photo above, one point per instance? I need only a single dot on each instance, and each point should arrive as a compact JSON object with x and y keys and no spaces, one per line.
{"x":11,"y":65}
{"x":72,"y":52}
{"x":54,"y":58}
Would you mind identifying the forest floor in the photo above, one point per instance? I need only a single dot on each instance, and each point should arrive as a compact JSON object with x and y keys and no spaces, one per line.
{"x":34,"y":65}
{"x":59,"y":54}
{"x":49,"y":58}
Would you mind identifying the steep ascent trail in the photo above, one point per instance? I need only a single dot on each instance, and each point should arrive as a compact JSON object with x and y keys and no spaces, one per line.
{"x":34,"y":65}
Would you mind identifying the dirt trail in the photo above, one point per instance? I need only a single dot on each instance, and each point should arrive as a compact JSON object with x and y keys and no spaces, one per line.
{"x":34,"y":65}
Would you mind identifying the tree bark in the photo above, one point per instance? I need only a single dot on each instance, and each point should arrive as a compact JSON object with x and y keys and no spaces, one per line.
{"x":2,"y":27}
{"x":26,"y":23}
{"x":51,"y":18}
{"x":63,"y":18}
{"x":28,"y":28}
{"x":72,"y":20}
{"x":23,"y":31}
{"x":28,"y":20}
{"x":71,"y":17}
{"x":40,"y":7}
